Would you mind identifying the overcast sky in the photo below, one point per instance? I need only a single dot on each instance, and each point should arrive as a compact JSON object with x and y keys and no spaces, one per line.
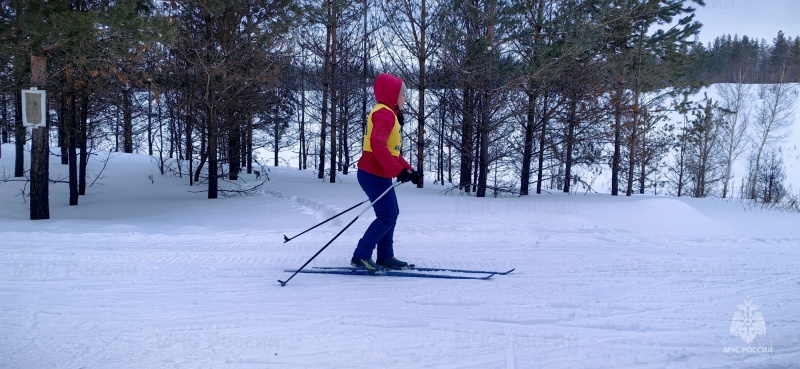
{"x":754,"y":18}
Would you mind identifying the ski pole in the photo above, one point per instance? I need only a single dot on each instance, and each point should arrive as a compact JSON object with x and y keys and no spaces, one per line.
{"x":287,"y":239}
{"x":283,"y":283}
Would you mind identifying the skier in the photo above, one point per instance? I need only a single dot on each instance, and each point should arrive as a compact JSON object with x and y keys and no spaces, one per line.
{"x":380,"y":162}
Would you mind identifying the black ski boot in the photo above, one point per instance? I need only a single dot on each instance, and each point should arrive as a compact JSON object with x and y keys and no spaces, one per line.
{"x":367,"y":264}
{"x":394,"y":263}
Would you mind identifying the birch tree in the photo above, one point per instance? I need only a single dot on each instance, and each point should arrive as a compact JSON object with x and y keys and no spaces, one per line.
{"x":773,"y":118}
{"x":735,"y":103}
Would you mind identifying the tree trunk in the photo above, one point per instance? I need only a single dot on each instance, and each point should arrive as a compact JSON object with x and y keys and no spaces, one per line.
{"x":527,"y":151}
{"x":40,"y":150}
{"x":364,"y":96}
{"x":440,"y":161}
{"x":570,"y":141}
{"x":189,"y":144}
{"x":127,"y":120}
{"x":249,"y":143}
{"x":476,"y":156}
{"x":161,"y":143}
{"x":325,"y":90}
{"x":303,"y":144}
{"x":234,"y":150}
{"x":334,"y":103}
{"x":467,"y":128}
{"x":19,"y":138}
{"x":5,"y":122}
{"x":63,"y":126}
{"x":422,"y":61}
{"x":681,"y":156}
{"x":706,"y":145}
{"x":490,"y":10}
{"x":345,"y":144}
{"x":632,"y":144}
{"x":483,"y":152}
{"x":72,"y":134}
{"x":149,"y":121}
{"x":176,"y":128}
{"x":644,"y":161}
{"x":213,"y":164}
{"x":542,"y":141}
{"x":276,"y":126}
{"x":617,"y":138}
{"x":83,"y":144}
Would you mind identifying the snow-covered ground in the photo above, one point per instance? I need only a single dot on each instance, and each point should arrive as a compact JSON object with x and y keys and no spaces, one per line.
{"x":145,"y":273}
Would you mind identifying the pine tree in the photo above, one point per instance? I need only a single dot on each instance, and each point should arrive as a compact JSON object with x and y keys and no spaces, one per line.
{"x":704,"y":161}
{"x":231,"y":59}
{"x":795,"y":64}
{"x":631,"y":45}
{"x":770,"y":179}
{"x":779,"y":55}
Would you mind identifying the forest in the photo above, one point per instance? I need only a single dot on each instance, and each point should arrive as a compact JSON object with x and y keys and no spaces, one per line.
{"x":506,"y":97}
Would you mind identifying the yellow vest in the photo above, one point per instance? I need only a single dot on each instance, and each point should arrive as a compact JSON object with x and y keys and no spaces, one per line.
{"x":394,"y":143}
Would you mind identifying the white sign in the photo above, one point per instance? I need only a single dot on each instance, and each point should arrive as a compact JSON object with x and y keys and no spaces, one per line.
{"x":34,"y":105}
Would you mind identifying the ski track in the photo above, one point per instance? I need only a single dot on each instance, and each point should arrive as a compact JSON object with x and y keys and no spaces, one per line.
{"x":177,"y":301}
{"x":319,"y":210}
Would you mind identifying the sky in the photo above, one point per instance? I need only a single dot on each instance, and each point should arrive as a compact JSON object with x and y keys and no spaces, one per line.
{"x":756,"y":19}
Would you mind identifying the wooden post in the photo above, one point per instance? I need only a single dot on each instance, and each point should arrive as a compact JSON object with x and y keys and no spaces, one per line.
{"x":40,"y":150}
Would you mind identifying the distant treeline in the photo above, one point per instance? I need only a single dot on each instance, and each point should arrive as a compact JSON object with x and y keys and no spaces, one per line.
{"x":732,"y":59}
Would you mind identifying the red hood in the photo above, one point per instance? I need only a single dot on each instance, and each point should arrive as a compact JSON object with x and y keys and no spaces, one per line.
{"x":387,"y":89}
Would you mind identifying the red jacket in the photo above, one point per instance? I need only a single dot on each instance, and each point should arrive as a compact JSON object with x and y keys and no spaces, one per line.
{"x":380,"y":161}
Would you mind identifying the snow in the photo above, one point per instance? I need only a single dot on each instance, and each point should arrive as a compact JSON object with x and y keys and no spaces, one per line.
{"x":148,"y":273}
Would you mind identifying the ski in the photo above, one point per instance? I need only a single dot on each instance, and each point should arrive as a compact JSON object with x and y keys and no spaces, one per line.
{"x":389,"y":273}
{"x":469,"y":271}
{"x":422,"y":269}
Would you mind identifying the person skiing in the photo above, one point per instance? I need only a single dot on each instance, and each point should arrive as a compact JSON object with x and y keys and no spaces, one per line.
{"x":380,"y":162}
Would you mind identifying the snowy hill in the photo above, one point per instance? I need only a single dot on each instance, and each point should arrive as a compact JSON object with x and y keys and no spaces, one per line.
{"x":147,"y":273}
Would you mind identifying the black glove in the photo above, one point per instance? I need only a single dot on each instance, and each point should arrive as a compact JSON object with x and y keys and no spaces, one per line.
{"x":409,"y":175}
{"x":416,"y":177}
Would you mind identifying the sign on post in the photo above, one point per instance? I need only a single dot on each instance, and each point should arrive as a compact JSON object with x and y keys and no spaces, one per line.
{"x":34,"y":103}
